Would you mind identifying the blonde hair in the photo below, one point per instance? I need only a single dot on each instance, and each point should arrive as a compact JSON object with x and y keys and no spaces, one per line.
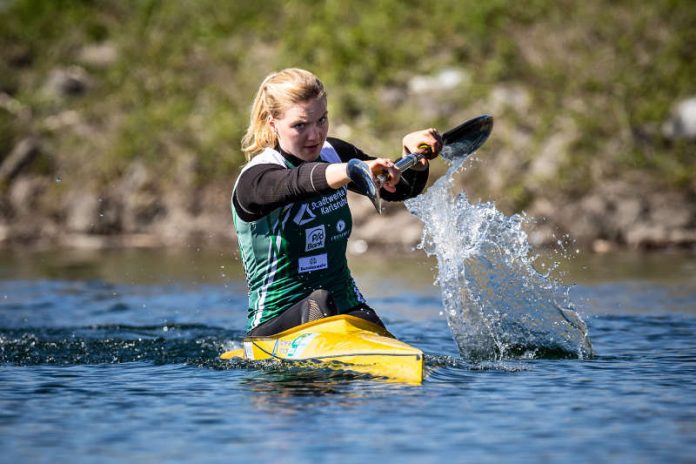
{"x":277,"y":92}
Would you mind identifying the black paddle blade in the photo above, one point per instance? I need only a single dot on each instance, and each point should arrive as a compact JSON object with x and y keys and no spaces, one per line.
{"x":466,"y":138}
{"x":359,"y":173}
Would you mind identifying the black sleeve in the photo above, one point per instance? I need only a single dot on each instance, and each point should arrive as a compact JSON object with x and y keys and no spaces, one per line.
{"x":265,"y":187}
{"x":412,"y":182}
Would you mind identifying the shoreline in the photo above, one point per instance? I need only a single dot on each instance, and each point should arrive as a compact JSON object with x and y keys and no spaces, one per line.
{"x":85,"y":225}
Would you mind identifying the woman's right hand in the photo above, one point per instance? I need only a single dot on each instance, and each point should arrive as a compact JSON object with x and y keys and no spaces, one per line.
{"x":385,"y":166}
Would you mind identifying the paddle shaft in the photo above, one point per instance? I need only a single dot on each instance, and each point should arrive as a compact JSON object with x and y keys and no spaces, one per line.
{"x":405,"y":163}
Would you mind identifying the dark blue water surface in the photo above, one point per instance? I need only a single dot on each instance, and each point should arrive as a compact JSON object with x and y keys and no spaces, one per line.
{"x":113,"y":358}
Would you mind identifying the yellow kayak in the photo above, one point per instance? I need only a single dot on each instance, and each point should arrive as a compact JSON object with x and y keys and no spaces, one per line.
{"x":339,"y":342}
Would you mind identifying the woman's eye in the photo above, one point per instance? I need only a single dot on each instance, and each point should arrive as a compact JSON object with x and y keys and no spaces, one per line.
{"x":323,"y":120}
{"x":300,"y":126}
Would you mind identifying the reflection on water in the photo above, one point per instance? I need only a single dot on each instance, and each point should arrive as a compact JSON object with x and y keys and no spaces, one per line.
{"x":128,"y":266}
{"x":375,"y":269}
{"x":116,"y":360}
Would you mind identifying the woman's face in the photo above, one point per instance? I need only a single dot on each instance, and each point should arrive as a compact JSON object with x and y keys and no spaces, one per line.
{"x":302,"y":129}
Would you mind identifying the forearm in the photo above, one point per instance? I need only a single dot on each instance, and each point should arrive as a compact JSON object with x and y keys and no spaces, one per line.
{"x":264,"y":188}
{"x":336,"y":175}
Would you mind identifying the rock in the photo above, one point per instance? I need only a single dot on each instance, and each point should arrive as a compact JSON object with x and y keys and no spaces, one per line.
{"x":682,"y":122}
{"x":357,"y":246}
{"x":67,"y":82}
{"x":100,"y":55}
{"x":23,"y":154}
{"x":15,"y":107}
{"x":635,"y":212}
{"x":391,"y":97}
{"x":5,"y":209}
{"x":627,"y":212}
{"x":361,"y":208}
{"x":672,"y":210}
{"x":141,"y":209}
{"x":555,"y":151}
{"x":62,"y":120}
{"x":84,"y":241}
{"x":683,"y":238}
{"x":109,"y":218}
{"x":446,"y":80}
{"x":93,"y":213}
{"x":399,"y":230}
{"x":603,"y":246}
{"x":18,"y":56}
{"x":515,"y":97}
{"x":25,"y":195}
{"x":504,"y":166}
{"x":82,"y":212}
{"x":31,"y":218}
{"x":541,"y":235}
{"x":141,"y":198}
{"x":647,"y":236}
{"x":342,"y":131}
{"x":583,"y":225}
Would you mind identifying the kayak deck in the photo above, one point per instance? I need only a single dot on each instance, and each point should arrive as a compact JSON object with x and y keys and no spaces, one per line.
{"x":339,"y":342}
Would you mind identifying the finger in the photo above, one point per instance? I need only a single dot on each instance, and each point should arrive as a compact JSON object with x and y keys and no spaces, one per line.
{"x":431,"y":136}
{"x":389,"y":170}
{"x":379,"y":166}
{"x":436,"y":143}
{"x":394,"y":175}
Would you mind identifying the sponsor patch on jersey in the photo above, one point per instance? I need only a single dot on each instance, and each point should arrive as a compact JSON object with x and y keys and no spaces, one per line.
{"x":315,"y":237}
{"x":341,"y":225}
{"x":313,"y":263}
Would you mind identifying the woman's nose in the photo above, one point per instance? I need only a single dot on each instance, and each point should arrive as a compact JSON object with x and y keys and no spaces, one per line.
{"x":314,"y":132}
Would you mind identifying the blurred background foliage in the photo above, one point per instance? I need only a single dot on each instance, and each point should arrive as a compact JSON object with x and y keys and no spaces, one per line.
{"x":175,"y":79}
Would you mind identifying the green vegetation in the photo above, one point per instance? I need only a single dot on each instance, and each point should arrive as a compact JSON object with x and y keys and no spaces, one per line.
{"x":184,"y":73}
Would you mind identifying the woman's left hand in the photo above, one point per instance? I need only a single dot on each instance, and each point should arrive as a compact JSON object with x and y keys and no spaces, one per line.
{"x":420,"y":141}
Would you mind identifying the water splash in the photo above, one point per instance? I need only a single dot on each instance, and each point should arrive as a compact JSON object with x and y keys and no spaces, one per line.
{"x":497,"y":304}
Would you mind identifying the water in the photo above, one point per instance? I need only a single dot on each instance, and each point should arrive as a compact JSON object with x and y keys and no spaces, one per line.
{"x":496,"y":301}
{"x":111,"y":357}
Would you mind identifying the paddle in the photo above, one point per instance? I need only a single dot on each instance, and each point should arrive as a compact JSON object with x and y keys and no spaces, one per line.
{"x":458,"y":144}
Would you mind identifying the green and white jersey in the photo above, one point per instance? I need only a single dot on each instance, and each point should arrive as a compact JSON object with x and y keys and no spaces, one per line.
{"x":296,"y":249}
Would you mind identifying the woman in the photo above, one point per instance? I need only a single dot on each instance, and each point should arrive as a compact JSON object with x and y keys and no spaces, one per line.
{"x":290,"y":206}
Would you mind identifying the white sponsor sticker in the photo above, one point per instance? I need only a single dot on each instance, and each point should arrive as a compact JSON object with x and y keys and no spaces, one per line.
{"x":248,"y":350}
{"x":313,"y":263}
{"x":298,"y":345}
{"x":314,"y":238}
